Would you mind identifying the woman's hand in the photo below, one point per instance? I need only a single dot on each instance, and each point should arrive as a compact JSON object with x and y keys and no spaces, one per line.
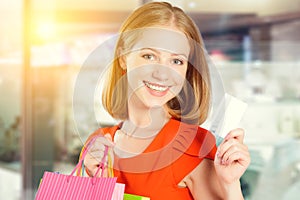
{"x":95,"y":154}
{"x":232,"y":158}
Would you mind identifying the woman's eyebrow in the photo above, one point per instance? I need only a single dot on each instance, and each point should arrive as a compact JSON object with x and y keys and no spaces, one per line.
{"x":180,"y":54}
{"x":151,"y":49}
{"x":173,"y":54}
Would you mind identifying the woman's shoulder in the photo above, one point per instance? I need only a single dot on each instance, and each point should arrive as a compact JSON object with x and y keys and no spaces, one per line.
{"x":195,"y":141}
{"x":104,"y":130}
{"x":192,"y":130}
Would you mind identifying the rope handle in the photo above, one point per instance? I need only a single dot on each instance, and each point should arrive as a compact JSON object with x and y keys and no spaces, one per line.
{"x":79,"y":168}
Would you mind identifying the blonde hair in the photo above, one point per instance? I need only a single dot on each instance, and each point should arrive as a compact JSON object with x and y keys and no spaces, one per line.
{"x":193,"y":102}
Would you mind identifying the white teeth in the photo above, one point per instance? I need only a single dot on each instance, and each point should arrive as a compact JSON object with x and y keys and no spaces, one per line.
{"x":155,"y":87}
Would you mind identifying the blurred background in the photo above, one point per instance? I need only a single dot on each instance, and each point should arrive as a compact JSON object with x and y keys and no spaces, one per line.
{"x":255,"y":46}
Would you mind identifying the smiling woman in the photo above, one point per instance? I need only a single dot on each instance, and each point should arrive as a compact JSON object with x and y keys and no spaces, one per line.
{"x":158,"y":85}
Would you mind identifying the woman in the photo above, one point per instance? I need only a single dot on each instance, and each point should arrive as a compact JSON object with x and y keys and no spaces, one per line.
{"x":159,"y":87}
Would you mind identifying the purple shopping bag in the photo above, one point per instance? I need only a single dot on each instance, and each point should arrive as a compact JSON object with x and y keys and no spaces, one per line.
{"x":56,"y":186}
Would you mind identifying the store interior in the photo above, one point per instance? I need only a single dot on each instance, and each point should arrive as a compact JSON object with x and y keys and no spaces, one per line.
{"x":50,"y":72}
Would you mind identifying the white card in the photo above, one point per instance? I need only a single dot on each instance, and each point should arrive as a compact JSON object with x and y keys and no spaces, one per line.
{"x":226,"y":116}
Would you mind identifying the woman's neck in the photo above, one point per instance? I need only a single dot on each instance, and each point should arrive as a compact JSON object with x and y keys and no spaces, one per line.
{"x":145,"y":122}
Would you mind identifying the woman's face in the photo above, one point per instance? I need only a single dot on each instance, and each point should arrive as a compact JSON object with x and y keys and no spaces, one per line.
{"x":156,"y":66}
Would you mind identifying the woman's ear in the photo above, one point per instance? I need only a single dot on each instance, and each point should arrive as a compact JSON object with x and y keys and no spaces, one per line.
{"x":122,"y":59}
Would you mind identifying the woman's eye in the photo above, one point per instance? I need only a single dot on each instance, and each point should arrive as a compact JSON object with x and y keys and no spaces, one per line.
{"x":149,"y":57}
{"x":177,"y":62}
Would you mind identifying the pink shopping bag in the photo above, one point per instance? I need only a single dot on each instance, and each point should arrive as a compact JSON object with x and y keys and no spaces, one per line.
{"x":118,"y":192}
{"x":56,"y":186}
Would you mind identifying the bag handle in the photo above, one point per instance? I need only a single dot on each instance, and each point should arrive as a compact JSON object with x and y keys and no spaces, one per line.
{"x":80,"y":166}
{"x":80,"y":171}
{"x":102,"y":163}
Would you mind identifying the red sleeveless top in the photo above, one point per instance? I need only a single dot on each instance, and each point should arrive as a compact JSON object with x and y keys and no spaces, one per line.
{"x":176,"y":150}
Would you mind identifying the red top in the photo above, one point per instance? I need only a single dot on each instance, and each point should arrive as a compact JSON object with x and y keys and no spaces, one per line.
{"x":172,"y":155}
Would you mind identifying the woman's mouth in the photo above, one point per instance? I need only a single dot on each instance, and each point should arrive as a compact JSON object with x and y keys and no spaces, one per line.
{"x":156,"y":87}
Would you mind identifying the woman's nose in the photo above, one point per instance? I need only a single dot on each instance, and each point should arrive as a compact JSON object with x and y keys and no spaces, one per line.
{"x":161,"y":72}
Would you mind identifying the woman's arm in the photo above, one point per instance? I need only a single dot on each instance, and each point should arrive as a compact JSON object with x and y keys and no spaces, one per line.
{"x":203,"y":183}
{"x":219,"y":179}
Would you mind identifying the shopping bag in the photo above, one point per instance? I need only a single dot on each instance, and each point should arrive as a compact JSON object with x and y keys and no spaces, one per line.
{"x":55,"y":186}
{"x":134,"y":197}
{"x":118,"y":192}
